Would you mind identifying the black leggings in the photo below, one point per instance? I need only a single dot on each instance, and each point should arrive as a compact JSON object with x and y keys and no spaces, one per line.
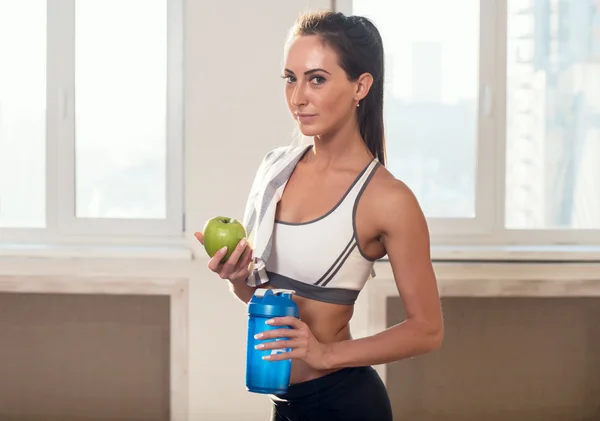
{"x":349,"y":394}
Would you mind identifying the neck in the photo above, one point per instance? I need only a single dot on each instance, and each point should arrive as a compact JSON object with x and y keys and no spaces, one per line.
{"x":340,"y":146}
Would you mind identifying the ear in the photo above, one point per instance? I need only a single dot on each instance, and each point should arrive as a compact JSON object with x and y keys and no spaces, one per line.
{"x":363,"y":84}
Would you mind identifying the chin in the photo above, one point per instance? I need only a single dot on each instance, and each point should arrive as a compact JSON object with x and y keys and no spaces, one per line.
{"x":310,"y":130}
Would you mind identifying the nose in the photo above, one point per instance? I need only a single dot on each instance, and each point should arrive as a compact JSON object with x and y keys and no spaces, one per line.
{"x":298,"y":98}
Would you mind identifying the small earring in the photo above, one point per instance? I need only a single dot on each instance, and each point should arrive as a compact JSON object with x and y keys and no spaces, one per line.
{"x":357,"y":104}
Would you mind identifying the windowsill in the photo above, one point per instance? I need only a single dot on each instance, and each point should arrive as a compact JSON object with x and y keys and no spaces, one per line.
{"x":179,"y":251}
{"x":182,"y":251}
{"x":516,"y":253}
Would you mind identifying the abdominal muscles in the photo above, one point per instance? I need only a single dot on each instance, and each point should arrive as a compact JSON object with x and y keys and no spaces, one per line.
{"x":328,"y":323}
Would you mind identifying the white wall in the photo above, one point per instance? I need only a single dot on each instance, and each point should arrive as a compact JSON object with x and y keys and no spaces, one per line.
{"x":235,"y":113}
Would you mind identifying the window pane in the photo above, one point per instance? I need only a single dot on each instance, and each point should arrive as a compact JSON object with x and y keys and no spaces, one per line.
{"x":431,"y":98}
{"x":553,"y":115}
{"x":23,"y":113}
{"x":120,"y":97}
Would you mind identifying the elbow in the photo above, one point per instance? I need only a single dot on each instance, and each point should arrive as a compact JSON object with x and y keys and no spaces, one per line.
{"x":434,"y":336}
{"x":428,"y":336}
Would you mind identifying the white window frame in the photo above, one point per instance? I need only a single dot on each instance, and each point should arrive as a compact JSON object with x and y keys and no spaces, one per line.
{"x":488,"y":226}
{"x":62,"y":225}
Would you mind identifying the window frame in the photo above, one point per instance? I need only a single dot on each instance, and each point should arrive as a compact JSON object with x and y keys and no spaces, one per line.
{"x":487,"y":228}
{"x":62,"y":225}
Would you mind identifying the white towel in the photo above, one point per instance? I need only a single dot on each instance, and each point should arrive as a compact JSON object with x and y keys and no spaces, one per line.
{"x":259,"y":217}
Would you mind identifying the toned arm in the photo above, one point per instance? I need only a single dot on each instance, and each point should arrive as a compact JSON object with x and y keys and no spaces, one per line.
{"x":404,"y":233}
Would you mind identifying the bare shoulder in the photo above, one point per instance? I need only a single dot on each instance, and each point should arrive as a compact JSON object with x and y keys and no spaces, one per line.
{"x":393,"y":205}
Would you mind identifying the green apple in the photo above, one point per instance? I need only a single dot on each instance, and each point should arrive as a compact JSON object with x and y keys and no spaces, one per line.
{"x":222,"y":231}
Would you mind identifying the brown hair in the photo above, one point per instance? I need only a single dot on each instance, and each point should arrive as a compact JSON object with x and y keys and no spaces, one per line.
{"x":360,"y":48}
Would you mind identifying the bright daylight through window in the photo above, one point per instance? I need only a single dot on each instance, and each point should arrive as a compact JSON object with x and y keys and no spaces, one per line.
{"x":553,"y":115}
{"x":23,"y":114}
{"x":493,"y":114}
{"x":90,"y":119}
{"x":120,"y":77}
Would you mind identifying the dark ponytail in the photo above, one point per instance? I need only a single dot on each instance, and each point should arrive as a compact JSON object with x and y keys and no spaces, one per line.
{"x":360,"y":47}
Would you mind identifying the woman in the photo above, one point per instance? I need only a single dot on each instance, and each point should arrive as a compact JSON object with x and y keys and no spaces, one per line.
{"x":340,"y":211}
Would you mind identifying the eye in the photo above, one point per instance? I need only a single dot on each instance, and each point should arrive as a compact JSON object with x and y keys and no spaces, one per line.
{"x":317,"y":80}
{"x":289,"y":78}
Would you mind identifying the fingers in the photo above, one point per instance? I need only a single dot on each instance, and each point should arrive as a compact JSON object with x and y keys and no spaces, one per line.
{"x":290,"y":343}
{"x":236,"y":265}
{"x":214,"y":263}
{"x":242,"y":266}
{"x":200,"y":237}
{"x":280,"y":333}
{"x":246,"y":258}
{"x":296,"y":339}
{"x":287,"y":321}
{"x":231,"y":265}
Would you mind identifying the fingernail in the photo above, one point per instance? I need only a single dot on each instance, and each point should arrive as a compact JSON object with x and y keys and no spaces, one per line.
{"x":243,"y":242}
{"x":266,"y":357}
{"x":259,"y":346}
{"x":223,"y":250}
{"x":270,"y":321}
{"x":258,"y":336}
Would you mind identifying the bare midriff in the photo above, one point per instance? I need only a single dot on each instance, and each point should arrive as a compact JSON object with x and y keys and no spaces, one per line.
{"x":328,"y":323}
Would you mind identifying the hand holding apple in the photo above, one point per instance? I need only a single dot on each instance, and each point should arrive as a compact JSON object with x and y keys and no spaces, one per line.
{"x":220,"y":232}
{"x":229,"y":261}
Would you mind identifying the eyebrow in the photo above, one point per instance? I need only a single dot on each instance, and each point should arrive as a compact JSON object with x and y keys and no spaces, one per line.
{"x":309,"y":72}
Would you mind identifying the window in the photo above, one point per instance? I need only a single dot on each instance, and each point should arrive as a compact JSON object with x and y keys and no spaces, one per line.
{"x":553,"y":116}
{"x":23,"y":114}
{"x":91,"y":119}
{"x":491,"y":115}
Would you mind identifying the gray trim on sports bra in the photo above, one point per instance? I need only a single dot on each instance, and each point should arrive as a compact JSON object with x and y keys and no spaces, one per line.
{"x":314,"y":292}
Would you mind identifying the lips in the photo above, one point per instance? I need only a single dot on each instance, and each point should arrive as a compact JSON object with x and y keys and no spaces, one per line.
{"x":305,"y":118}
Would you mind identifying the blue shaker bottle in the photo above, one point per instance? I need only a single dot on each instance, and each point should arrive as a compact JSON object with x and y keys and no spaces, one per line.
{"x":263,"y":376}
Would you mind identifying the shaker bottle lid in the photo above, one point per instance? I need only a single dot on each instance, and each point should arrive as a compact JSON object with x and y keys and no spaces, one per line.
{"x":260,"y":292}
{"x":273,"y":303}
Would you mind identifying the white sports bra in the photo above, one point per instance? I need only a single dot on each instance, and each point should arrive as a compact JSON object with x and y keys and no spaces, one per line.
{"x":321,"y":259}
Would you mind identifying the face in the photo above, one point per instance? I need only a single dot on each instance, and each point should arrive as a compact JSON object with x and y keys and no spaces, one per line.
{"x":319,"y":94}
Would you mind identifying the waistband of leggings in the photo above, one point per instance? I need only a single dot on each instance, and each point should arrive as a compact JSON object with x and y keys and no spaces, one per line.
{"x":304,"y":390}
